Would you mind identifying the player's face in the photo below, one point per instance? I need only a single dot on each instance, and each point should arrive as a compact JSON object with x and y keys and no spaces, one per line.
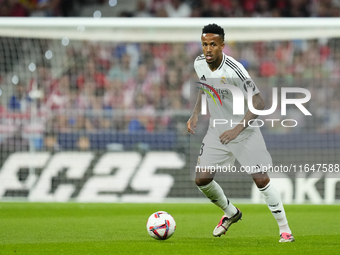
{"x":212,"y":45}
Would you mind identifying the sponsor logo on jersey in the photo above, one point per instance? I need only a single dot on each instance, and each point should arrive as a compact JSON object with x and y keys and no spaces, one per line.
{"x":208,"y":92}
{"x":249,"y":84}
{"x":203,"y":78}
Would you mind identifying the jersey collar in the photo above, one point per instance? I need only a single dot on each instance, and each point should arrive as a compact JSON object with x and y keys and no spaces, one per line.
{"x":222,"y":62}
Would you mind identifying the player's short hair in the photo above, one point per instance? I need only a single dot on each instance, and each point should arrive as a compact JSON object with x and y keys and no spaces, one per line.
{"x":213,"y":29}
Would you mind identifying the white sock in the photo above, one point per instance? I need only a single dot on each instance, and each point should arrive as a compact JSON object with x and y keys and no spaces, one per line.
{"x":274,"y":202}
{"x":214,"y":192}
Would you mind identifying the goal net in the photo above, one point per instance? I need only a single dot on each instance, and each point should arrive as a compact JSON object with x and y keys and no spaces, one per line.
{"x":95,"y":110}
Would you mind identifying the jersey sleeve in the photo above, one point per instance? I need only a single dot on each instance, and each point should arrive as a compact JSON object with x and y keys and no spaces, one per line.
{"x":196,"y":64}
{"x":243,"y":80}
{"x":197,"y":73}
{"x":195,"y":67}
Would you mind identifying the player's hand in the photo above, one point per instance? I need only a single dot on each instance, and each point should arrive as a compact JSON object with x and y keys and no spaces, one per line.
{"x":191,"y":124}
{"x":228,"y":136}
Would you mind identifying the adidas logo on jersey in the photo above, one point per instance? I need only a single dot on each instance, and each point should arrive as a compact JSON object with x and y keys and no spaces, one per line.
{"x":203,"y":78}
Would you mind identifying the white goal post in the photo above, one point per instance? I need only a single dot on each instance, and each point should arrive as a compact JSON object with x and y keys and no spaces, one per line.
{"x":168,"y":29}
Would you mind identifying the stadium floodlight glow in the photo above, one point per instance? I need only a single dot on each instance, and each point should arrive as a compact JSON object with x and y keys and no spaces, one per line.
{"x":15,"y":79}
{"x":97,"y":14}
{"x":65,"y":41}
{"x":32,"y":67}
{"x":112,"y":3}
{"x":48,"y":54}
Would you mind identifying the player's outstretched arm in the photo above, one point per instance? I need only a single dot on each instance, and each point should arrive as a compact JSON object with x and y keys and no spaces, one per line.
{"x":229,"y":135}
{"x":192,"y":122}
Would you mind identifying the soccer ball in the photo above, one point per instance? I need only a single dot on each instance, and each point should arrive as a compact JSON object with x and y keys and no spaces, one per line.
{"x":161,"y":225}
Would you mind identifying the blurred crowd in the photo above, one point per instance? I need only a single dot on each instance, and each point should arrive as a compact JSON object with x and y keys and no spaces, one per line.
{"x":146,"y":86}
{"x":25,"y":8}
{"x":236,"y":8}
{"x":134,"y":87}
{"x":179,"y":8}
{"x":106,"y":87}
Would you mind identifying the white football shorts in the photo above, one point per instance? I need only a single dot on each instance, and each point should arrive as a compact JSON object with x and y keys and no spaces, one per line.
{"x":250,"y":152}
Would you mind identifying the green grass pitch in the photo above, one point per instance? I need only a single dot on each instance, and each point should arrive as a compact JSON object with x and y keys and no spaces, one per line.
{"x":72,"y":228}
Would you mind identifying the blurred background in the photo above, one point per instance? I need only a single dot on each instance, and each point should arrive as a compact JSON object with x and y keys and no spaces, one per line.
{"x":170,"y":8}
{"x":93,"y":98}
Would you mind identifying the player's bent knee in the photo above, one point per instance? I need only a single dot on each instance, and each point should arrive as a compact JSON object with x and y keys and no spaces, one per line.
{"x":203,"y":181}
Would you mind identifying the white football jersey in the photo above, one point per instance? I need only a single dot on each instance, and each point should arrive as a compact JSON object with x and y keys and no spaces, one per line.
{"x":229,"y":72}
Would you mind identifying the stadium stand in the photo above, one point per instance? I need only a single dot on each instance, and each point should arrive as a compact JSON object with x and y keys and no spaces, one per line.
{"x":173,"y":8}
{"x":149,"y":83}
